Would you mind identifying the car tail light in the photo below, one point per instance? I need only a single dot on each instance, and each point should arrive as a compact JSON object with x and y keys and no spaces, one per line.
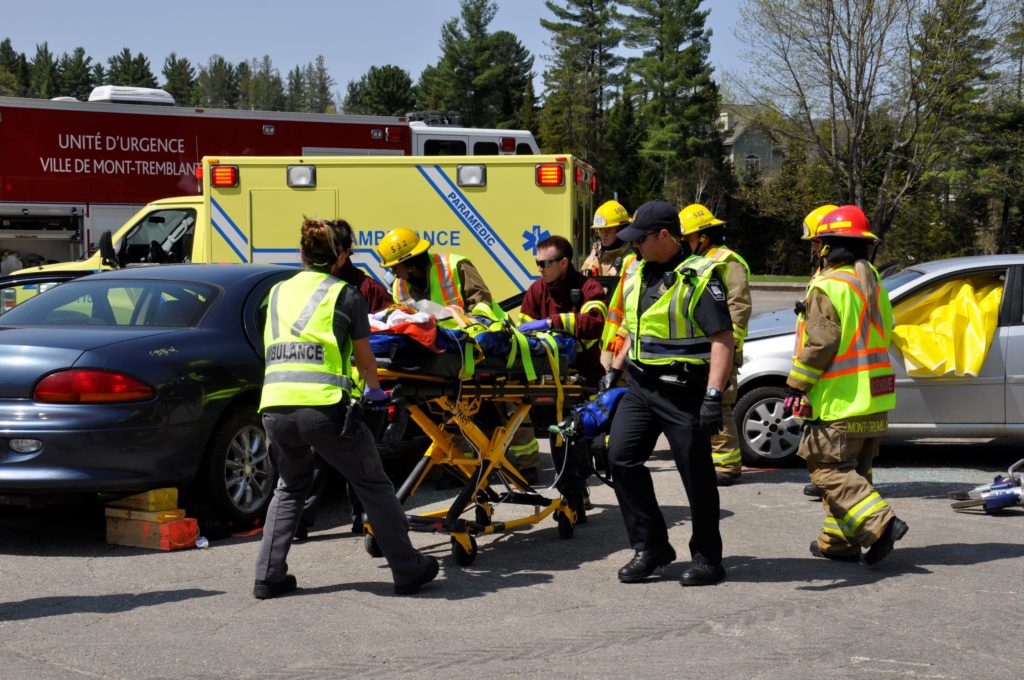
{"x":224,"y":175}
{"x":90,"y":387}
{"x":550,"y":175}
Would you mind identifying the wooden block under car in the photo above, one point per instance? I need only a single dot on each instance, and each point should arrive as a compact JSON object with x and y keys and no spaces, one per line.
{"x":152,"y":500}
{"x":176,"y":535}
{"x":158,"y":516}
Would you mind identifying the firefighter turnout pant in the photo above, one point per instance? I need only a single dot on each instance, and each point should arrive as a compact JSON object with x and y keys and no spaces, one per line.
{"x":725,"y":444}
{"x":647,"y":410}
{"x":840,"y":465}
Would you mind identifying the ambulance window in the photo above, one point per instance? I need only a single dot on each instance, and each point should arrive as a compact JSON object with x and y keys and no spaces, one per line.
{"x":485,"y":149}
{"x":161,"y":236}
{"x":524,"y":149}
{"x":444,"y":147}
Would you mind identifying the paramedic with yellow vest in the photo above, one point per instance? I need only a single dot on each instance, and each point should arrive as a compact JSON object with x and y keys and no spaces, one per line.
{"x":842,"y":384}
{"x":677,"y":357}
{"x":447,"y":279}
{"x":609,"y":251}
{"x":706,"y":235}
{"x":315,"y":324}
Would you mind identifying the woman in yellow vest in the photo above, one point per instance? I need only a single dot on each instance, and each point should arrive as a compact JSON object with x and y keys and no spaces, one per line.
{"x":315,"y":324}
{"x":706,"y":235}
{"x":842,"y":384}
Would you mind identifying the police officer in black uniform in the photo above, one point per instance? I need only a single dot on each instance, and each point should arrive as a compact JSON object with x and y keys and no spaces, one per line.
{"x":677,"y":360}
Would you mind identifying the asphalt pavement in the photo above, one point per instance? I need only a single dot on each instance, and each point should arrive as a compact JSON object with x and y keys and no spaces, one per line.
{"x":942,"y":605}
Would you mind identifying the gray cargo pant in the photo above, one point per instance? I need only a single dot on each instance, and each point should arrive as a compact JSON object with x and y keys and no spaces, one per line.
{"x":291,"y":433}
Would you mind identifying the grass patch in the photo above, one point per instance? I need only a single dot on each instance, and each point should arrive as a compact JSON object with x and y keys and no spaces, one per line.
{"x":767,"y":278}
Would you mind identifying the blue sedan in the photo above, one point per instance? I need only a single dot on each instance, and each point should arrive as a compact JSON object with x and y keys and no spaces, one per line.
{"x":140,"y":378}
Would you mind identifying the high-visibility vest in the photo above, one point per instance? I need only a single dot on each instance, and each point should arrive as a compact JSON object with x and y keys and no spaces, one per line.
{"x":616,"y":304}
{"x":666,"y":333}
{"x":725,"y":254}
{"x":859,"y":380}
{"x":305,"y":364}
{"x":443,"y":282}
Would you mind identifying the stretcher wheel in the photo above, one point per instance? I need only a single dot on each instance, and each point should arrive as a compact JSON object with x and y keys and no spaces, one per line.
{"x":463,"y":558}
{"x":565,"y":526}
{"x":371,"y":546}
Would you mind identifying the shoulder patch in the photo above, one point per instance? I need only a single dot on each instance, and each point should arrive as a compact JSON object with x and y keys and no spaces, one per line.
{"x":716,"y":289}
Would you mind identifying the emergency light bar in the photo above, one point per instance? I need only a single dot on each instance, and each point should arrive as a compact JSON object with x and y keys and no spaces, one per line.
{"x":507,"y":144}
{"x":550,"y":175}
{"x":224,"y":175}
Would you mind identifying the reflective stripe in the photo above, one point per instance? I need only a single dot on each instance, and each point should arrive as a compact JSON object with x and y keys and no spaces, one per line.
{"x":313,"y":377}
{"x":726,"y":458}
{"x":314,"y":301}
{"x":446,"y":280}
{"x":861,"y":511}
{"x":275,"y":330}
{"x":834,"y":528}
{"x":591,"y":305}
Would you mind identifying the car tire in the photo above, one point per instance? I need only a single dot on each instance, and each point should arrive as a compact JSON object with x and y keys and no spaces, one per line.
{"x":237,"y":476}
{"x":766,"y":438}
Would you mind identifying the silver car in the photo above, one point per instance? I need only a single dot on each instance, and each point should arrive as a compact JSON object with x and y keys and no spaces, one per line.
{"x":986,"y":406}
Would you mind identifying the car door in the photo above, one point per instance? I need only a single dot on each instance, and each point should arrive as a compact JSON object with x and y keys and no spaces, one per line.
{"x":1013,"y":334}
{"x":958,"y":405}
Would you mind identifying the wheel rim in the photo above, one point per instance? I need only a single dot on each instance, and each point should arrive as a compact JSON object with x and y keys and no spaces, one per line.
{"x":768,"y":434}
{"x":248,"y":469}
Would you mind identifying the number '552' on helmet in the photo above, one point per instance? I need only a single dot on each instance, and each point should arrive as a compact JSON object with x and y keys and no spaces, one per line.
{"x":398,"y":245}
{"x":695,"y":217}
{"x":611,"y":215}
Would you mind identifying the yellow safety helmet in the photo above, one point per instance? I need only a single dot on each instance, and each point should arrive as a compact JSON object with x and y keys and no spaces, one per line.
{"x":813,"y":220}
{"x":611,"y":215}
{"x":696,"y":217}
{"x":398,"y":245}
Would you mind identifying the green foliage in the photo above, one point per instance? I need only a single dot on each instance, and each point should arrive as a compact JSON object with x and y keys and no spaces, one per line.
{"x":382,"y":91}
{"x":180,"y":79}
{"x":45,"y":81}
{"x":76,"y":74}
{"x":266,"y":89}
{"x":217,"y":84}
{"x":125,"y":68}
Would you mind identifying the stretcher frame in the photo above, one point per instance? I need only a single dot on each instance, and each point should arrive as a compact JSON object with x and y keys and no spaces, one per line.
{"x":435,"y":402}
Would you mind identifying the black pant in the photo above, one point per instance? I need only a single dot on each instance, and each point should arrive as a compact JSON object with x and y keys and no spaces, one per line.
{"x":316,"y":496}
{"x":647,"y":410}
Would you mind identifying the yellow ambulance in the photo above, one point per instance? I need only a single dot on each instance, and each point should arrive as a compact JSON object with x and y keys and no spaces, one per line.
{"x":492,"y":209}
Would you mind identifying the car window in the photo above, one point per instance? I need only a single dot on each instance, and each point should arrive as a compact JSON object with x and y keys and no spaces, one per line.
{"x":162,"y":236}
{"x":899,"y":278}
{"x":13,"y":295}
{"x":176,"y":304}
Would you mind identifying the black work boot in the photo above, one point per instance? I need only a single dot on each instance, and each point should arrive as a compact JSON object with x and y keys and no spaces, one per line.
{"x":838,"y":557}
{"x":644,"y":563}
{"x":428,"y":571}
{"x":894,"y":531}
{"x":812,"y":491}
{"x":703,"y":574}
{"x":726,"y":478}
{"x":264,"y":590}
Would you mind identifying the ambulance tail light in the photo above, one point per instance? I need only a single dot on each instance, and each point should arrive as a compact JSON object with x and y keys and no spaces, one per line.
{"x":507,"y":144}
{"x":550,"y":175}
{"x":224,"y":175}
{"x":471,"y":175}
{"x":301,"y":176}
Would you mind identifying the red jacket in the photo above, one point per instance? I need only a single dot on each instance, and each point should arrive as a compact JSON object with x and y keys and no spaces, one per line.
{"x":555,"y":303}
{"x":377,"y":296}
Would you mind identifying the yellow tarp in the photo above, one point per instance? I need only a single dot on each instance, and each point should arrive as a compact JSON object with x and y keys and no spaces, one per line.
{"x":947,"y":330}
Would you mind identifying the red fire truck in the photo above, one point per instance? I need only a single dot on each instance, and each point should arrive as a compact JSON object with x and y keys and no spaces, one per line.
{"x":70,"y":170}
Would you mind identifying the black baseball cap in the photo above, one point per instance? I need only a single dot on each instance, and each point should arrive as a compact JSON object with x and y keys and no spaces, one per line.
{"x":652,"y":216}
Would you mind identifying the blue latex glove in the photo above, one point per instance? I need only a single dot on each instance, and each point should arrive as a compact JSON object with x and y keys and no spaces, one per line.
{"x":538,"y":325}
{"x":375,"y":399}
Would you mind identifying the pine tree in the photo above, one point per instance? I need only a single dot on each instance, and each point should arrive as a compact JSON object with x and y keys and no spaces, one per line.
{"x":295,"y":94}
{"x":319,"y":86}
{"x":9,"y":85}
{"x":127,"y":69}
{"x":45,"y":82}
{"x":583,"y":75}
{"x":267,"y":90}
{"x":383,"y":91}
{"x":243,"y":76}
{"x":180,"y":79}
{"x":76,"y":75}
{"x":682,"y":98}
{"x":217,"y":84}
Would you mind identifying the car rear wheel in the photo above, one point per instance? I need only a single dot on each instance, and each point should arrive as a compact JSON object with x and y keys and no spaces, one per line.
{"x":766,"y":438}
{"x":237,"y":476}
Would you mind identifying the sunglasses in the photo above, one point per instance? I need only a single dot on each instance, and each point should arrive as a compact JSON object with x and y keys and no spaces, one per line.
{"x":544,"y":264}
{"x":637,"y":242}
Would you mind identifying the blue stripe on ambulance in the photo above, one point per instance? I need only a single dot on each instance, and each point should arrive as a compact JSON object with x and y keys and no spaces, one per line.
{"x":508,"y":262}
{"x":229,"y":231}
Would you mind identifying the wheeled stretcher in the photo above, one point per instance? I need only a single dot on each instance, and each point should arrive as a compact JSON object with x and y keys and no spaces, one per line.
{"x":445,"y":408}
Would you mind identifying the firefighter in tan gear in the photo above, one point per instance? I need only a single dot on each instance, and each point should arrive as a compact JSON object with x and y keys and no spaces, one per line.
{"x":447,"y":279}
{"x":607,"y":256}
{"x":706,"y":235}
{"x":842,"y":384}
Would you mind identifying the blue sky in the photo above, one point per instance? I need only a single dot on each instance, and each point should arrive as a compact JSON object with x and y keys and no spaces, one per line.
{"x":351,"y":34}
